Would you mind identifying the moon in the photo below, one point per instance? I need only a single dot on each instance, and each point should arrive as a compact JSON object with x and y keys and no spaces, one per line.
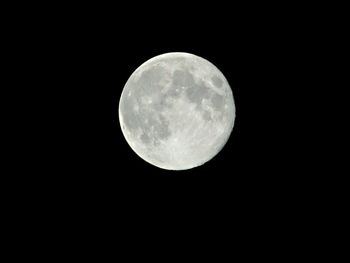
{"x":177,"y":111}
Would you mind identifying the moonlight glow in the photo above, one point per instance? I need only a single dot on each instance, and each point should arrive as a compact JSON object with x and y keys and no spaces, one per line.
{"x":177,"y":111}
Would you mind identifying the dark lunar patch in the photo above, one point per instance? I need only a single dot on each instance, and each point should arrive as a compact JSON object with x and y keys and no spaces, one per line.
{"x":145,"y":138}
{"x":217,"y":101}
{"x":182,"y":78}
{"x":217,"y":81}
{"x":197,"y":93}
{"x":206,"y":115}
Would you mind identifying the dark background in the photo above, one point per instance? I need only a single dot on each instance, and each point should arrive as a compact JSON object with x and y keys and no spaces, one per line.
{"x":255,"y":169}
{"x":77,"y":56}
{"x":84,"y":62}
{"x":76,"y":62}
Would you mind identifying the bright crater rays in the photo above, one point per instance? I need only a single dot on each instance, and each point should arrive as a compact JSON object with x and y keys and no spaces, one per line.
{"x":177,"y":111}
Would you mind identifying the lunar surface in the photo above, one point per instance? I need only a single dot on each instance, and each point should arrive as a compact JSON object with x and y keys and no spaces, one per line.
{"x":177,"y":111}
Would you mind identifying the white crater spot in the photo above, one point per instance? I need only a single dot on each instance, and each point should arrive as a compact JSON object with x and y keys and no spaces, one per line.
{"x":177,"y":111}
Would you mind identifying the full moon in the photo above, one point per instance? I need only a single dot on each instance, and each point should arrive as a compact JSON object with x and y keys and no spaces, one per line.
{"x":177,"y":111}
